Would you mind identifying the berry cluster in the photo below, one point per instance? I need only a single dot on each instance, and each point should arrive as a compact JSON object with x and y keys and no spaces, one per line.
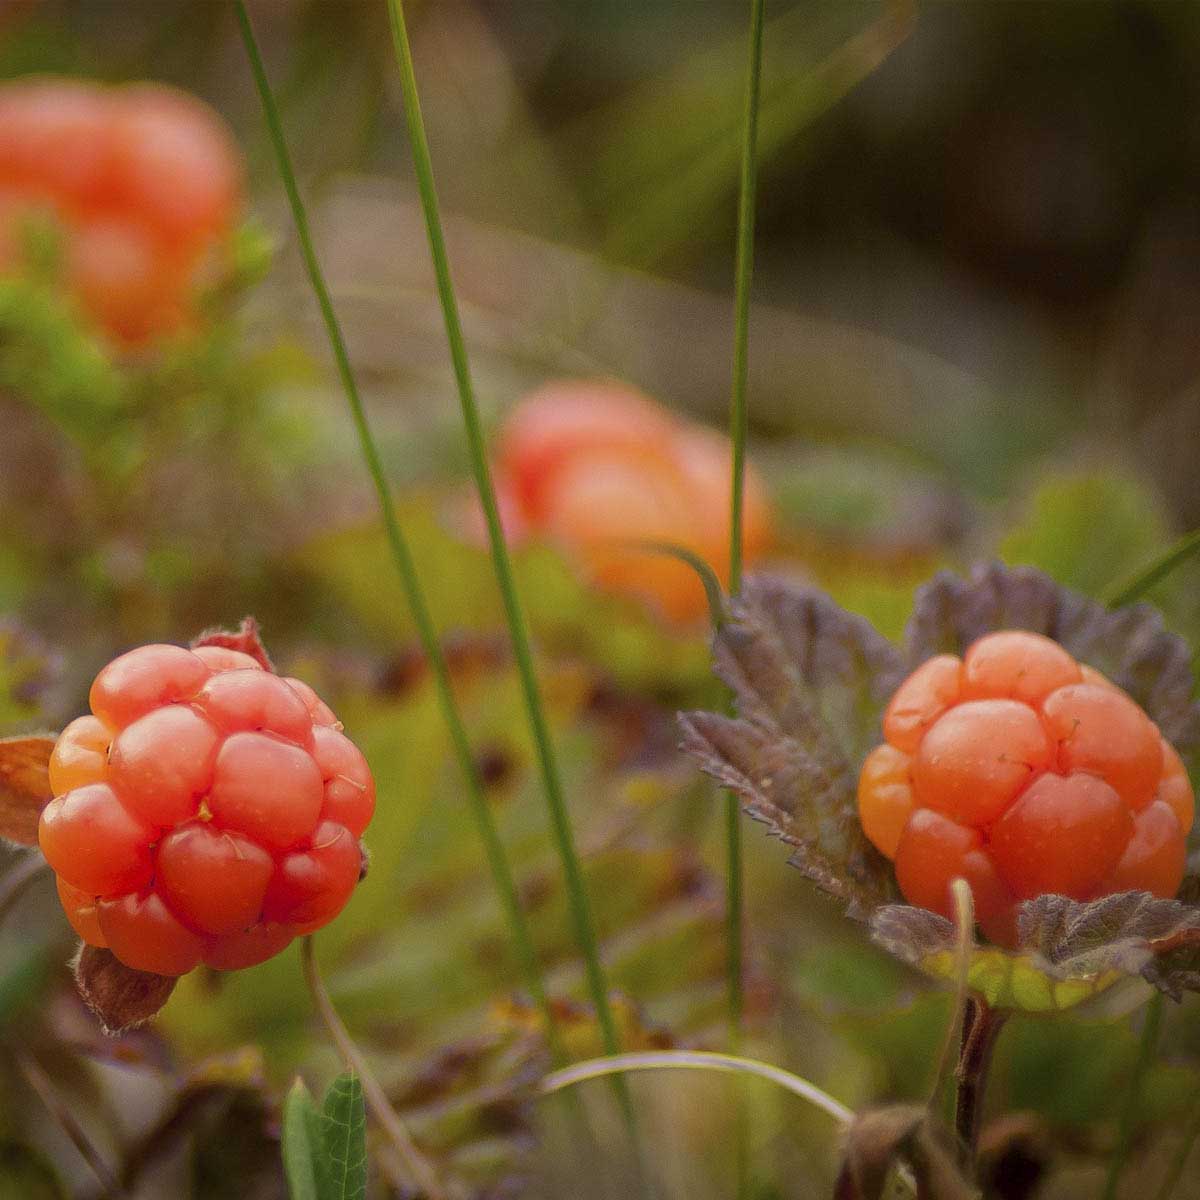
{"x":207,"y":811}
{"x":142,"y":181}
{"x":1023,"y":772}
{"x":597,"y":466}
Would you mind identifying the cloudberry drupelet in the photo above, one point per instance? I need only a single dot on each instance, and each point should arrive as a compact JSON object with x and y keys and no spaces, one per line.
{"x":1023,"y":772}
{"x":207,"y":811}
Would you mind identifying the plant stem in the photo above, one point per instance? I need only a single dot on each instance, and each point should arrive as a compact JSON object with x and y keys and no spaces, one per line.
{"x":981,"y":1025}
{"x":1147,"y":1048}
{"x":743,"y":274}
{"x":402,"y":556}
{"x":41,"y":1083}
{"x":381,"y":1108}
{"x":1131,"y":589}
{"x":1179,"y":1163}
{"x":518,"y":631}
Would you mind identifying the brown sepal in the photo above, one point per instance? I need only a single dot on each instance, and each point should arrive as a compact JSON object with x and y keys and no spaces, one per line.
{"x":120,"y":997}
{"x":24,"y":786}
{"x":881,"y":1138}
{"x":246,"y":639}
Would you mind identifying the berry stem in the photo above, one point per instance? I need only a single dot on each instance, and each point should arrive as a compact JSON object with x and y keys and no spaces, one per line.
{"x":381,"y":1108}
{"x":1147,"y":1048}
{"x":547,"y":762}
{"x":981,"y":1026}
{"x":501,"y":871}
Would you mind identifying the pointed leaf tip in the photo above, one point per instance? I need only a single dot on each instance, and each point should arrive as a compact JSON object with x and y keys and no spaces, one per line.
{"x":120,"y":997}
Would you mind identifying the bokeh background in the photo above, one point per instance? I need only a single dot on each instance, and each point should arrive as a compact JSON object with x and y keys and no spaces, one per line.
{"x":973,"y":335}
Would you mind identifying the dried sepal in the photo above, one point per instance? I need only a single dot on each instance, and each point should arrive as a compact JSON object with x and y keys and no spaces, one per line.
{"x":1067,"y":950}
{"x":810,"y":682}
{"x":120,"y":997}
{"x":906,"y":1137}
{"x":24,"y":786}
{"x":245,"y":638}
{"x":1130,"y":645}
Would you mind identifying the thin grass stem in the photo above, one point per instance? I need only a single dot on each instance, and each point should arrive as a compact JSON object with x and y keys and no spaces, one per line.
{"x":497,"y":859}
{"x":1136,"y":586}
{"x":1147,"y":1049}
{"x":580,"y":910}
{"x":388,"y":1119}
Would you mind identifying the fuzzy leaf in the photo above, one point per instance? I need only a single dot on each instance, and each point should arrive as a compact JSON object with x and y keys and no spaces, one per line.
{"x":301,"y":1139}
{"x":810,"y":682}
{"x":1130,"y":645}
{"x":343,"y":1174}
{"x":245,"y":638}
{"x":1068,"y":950}
{"x":120,"y":997}
{"x":24,"y":786}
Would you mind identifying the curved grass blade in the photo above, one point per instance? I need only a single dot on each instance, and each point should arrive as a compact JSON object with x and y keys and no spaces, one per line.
{"x":697,"y":1060}
{"x":518,"y":630}
{"x":713,"y":592}
{"x":502,"y":876}
{"x":1138,"y":585}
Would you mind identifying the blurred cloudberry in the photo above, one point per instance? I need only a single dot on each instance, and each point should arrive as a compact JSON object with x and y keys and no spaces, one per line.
{"x":207,"y":811}
{"x":143,"y":181}
{"x":1023,"y":772}
{"x":597,"y":466}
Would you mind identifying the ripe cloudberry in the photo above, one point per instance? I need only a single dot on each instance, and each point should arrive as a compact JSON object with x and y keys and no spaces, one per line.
{"x":206,"y":811}
{"x":142,"y":181}
{"x":1023,"y":772}
{"x":597,"y":467}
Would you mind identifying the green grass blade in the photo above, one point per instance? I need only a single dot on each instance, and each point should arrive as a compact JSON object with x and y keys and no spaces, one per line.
{"x":1134,"y":588}
{"x":301,"y":1143}
{"x":493,"y":847}
{"x":1147,"y":1048}
{"x":344,"y":1140}
{"x":547,"y":762}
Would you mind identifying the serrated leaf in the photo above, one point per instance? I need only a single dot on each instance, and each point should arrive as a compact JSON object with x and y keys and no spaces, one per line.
{"x":343,"y":1174}
{"x":810,"y":682}
{"x":24,"y":786}
{"x":120,"y":997}
{"x":301,"y":1143}
{"x":1068,"y":950}
{"x":1130,"y":645}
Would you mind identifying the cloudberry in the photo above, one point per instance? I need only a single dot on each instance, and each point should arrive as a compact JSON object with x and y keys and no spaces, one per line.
{"x":1023,"y":772}
{"x":206,"y":811}
{"x":143,"y":182}
{"x":597,"y":467}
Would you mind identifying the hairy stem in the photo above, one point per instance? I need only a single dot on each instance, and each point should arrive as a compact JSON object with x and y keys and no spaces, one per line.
{"x":388,"y":1119}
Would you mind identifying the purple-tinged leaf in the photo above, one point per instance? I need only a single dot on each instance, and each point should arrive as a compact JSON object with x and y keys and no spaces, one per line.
{"x":1130,"y":645}
{"x":810,"y":683}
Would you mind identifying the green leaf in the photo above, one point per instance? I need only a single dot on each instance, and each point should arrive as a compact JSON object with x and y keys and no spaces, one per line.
{"x":301,"y":1143}
{"x":811,"y":682}
{"x":1068,"y":950}
{"x":343,"y":1173}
